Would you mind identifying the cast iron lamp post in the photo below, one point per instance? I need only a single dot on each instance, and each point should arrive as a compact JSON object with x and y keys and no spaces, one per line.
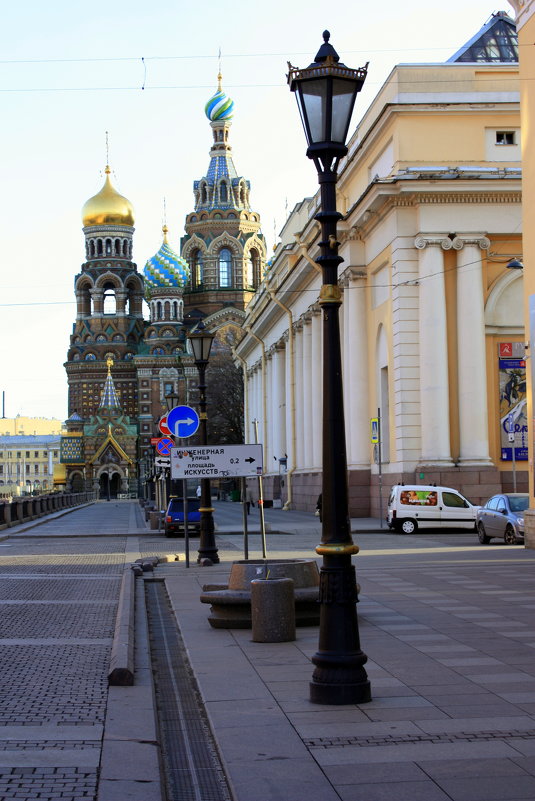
{"x":201,"y":343}
{"x":326,"y":92}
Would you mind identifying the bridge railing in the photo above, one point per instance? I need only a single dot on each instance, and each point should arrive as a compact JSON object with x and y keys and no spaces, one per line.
{"x":22,"y":510}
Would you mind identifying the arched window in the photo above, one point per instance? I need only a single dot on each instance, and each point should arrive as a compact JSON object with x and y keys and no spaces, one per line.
{"x":167,"y":310}
{"x":225,"y":268}
{"x":204,"y":196}
{"x":110,"y":301}
{"x":92,"y":248}
{"x":175,"y":310}
{"x":108,"y":247}
{"x":253,"y":269}
{"x":223,"y":194}
{"x":196,"y":268}
{"x":117,"y":247}
{"x":125,"y":247}
{"x":99,"y":247}
{"x":159,"y":310}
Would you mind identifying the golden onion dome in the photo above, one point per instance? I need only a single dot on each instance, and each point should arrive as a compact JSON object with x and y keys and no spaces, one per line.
{"x":107,"y":207}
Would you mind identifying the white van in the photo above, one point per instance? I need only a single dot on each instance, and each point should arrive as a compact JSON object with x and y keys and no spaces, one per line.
{"x":421,"y":506}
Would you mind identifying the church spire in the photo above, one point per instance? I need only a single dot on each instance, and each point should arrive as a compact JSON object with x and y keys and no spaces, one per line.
{"x":109,"y":399}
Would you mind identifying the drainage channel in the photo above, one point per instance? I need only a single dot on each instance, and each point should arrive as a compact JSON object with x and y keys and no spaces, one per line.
{"x":192,"y":767}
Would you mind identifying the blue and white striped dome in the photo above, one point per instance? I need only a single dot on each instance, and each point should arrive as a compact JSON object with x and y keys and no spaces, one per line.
{"x":166,"y":268}
{"x":220,"y":106}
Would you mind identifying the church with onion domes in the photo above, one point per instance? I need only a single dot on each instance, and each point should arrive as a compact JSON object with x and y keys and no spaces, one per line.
{"x":127,"y":349}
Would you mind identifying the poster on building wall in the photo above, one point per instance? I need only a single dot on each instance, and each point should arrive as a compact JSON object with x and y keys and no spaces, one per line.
{"x":513,"y":401}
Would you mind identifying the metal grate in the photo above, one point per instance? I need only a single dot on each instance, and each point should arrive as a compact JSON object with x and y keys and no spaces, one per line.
{"x":192,"y":767}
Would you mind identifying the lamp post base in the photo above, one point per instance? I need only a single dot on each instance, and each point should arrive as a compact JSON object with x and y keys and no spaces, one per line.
{"x":351,"y":692}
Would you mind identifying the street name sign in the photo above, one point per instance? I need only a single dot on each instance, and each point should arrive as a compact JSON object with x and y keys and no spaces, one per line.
{"x":182,"y":421}
{"x":216,"y":461}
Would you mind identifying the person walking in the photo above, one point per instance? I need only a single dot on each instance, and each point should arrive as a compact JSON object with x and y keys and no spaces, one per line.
{"x":319,"y":507}
{"x":248,"y":500}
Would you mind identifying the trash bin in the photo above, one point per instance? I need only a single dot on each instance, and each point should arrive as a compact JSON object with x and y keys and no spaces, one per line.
{"x":234,"y":495}
{"x":273,"y":610}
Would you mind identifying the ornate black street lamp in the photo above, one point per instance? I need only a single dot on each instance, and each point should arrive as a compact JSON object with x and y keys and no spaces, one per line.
{"x":201,"y":344}
{"x":326,"y":92}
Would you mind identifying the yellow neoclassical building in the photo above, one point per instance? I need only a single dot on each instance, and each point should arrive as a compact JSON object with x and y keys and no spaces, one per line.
{"x":431,"y":321}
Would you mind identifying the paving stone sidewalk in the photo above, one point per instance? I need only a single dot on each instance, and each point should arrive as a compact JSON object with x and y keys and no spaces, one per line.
{"x":448,"y":627}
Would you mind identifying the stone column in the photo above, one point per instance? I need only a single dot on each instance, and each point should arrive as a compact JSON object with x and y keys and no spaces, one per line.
{"x":434,"y":393}
{"x":316,"y":387}
{"x":471,"y":351}
{"x":307,"y":391}
{"x":299,"y":428}
{"x":356,"y":377}
{"x":289,"y":379}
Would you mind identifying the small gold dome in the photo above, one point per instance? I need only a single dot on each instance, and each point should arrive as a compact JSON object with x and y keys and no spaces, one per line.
{"x":107,"y":207}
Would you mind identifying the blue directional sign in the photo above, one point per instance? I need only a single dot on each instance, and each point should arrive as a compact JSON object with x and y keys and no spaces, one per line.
{"x":182,"y":421}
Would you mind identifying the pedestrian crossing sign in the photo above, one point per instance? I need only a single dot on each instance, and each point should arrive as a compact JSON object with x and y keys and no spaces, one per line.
{"x":374,"y":424}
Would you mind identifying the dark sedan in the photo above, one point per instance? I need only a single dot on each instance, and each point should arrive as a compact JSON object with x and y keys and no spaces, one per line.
{"x":503,"y":517}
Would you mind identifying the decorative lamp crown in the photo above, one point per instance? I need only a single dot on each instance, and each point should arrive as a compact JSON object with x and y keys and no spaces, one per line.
{"x":326,"y":91}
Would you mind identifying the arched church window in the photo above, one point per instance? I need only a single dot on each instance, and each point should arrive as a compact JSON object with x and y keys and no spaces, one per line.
{"x":159,"y":310}
{"x":110,"y":301}
{"x":158,"y":352}
{"x":167,"y":310}
{"x":204,"y":195}
{"x":117,"y":247}
{"x":108,"y":247}
{"x":101,"y":338}
{"x":90,"y":357}
{"x":196,"y":268}
{"x":223,"y":193}
{"x":128,"y":356}
{"x":92,"y":248}
{"x":175,"y":310}
{"x":242,"y":194}
{"x":125,"y":247}
{"x":225,"y":268}
{"x":99,"y":247}
{"x":253,"y":268}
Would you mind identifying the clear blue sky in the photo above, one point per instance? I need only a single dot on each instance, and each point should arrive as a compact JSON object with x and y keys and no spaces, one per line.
{"x":69,"y":71}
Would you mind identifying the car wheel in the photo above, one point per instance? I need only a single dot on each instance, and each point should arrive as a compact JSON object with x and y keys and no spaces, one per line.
{"x":408,"y":526}
{"x":510,"y":536}
{"x":482,"y":537}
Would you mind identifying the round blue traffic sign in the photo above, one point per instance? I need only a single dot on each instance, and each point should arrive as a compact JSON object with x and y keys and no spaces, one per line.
{"x":164,"y":446}
{"x":182,"y":421}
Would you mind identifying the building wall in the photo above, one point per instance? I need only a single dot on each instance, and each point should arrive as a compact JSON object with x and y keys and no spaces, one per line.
{"x":431,"y":218}
{"x":27,"y":463}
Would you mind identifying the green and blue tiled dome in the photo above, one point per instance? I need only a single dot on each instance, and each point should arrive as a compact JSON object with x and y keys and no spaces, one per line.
{"x":166,"y":268}
{"x":220,"y":106}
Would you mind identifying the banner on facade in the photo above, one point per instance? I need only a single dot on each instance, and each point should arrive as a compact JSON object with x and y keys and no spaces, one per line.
{"x":513,"y":402}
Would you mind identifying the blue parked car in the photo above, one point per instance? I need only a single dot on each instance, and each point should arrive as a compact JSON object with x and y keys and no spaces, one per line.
{"x":174,"y":517}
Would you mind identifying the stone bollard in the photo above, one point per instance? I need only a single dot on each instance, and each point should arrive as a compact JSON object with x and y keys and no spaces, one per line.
{"x":273,"y":610}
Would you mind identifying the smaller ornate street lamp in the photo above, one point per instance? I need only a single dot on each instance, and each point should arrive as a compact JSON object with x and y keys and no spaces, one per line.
{"x":201,"y":344}
{"x":326,"y":92}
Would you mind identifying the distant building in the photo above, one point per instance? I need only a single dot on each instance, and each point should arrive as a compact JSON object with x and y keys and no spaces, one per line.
{"x":431,"y":321}
{"x":29,"y":463}
{"x":12,"y":426}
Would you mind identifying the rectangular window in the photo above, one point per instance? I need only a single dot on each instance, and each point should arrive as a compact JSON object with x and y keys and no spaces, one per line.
{"x":27,"y":454}
{"x":19,"y":454}
{"x":1,"y":469}
{"x":505,"y":138}
{"x":36,"y":469}
{"x":36,"y":454}
{"x":27,"y":469}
